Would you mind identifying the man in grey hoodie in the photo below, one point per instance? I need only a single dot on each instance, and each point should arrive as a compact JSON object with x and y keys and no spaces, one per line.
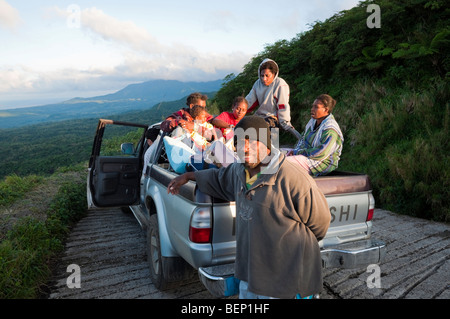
{"x":281,"y":215}
{"x":270,"y":94}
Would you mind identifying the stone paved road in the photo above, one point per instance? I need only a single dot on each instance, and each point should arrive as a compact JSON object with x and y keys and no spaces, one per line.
{"x":416,"y":264}
{"x":109,"y":247}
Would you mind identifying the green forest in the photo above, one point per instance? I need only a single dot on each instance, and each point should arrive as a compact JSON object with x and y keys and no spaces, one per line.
{"x":392,"y":88}
{"x":43,"y":148}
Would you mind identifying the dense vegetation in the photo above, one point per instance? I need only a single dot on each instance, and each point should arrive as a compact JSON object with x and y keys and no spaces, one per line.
{"x":392,"y":88}
{"x":29,"y":245}
{"x":14,"y":187}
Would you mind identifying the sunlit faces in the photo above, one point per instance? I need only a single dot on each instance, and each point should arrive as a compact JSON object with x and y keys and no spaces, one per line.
{"x":201,"y":118}
{"x":239,"y":110}
{"x":198,"y":102}
{"x":267,"y":77}
{"x":254,"y":153}
{"x":318,"y":110}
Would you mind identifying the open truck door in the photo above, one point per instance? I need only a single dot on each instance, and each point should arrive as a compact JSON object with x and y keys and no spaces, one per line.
{"x":115,"y":165}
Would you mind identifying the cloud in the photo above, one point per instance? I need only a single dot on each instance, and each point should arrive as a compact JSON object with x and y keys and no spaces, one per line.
{"x":119,"y":52}
{"x":124,"y":32}
{"x":138,"y":42}
{"x":18,"y":78}
{"x":9,"y":16}
{"x":143,"y":58}
{"x":99,"y":24}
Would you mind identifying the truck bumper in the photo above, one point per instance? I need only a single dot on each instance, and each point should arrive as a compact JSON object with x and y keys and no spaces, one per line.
{"x":220,"y":282}
{"x":354,"y":254}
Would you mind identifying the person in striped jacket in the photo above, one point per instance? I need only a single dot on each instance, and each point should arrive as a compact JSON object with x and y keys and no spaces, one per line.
{"x":320,"y":147}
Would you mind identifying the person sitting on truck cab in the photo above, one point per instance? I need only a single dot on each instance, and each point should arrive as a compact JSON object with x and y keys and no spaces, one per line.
{"x":319,"y":149}
{"x":270,"y":97}
{"x":183,"y":118}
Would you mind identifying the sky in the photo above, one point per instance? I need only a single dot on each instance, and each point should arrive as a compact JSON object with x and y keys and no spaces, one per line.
{"x":52,"y":51}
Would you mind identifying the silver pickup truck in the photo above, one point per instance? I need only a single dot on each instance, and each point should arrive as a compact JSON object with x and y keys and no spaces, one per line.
{"x":193,"y":232}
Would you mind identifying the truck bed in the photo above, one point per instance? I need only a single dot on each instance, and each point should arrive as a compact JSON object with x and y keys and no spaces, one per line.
{"x":339,"y":182}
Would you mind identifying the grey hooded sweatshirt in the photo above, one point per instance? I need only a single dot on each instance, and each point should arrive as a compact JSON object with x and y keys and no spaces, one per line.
{"x":272,"y":100}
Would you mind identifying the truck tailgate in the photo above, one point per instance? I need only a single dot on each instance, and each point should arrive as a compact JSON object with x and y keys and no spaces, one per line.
{"x":224,"y":237}
{"x":349,"y":198}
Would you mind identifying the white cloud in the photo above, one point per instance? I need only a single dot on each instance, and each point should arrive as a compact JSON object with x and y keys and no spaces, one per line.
{"x":9,"y":16}
{"x":124,"y":32}
{"x":142,"y":58}
{"x":89,"y":49}
{"x":18,"y":78}
{"x":151,"y":54}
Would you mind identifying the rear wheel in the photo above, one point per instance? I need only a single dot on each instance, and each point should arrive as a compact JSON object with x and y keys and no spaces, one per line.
{"x":164,"y":271}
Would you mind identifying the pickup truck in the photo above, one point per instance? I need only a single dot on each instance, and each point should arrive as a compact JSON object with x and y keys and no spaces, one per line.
{"x":194,"y":233}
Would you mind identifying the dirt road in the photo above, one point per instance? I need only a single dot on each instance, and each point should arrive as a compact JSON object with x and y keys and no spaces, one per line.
{"x":109,"y":249}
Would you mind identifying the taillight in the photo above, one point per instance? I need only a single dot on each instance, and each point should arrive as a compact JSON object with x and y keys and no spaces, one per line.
{"x":200,"y":227}
{"x":371,"y":208}
{"x":369,"y":215}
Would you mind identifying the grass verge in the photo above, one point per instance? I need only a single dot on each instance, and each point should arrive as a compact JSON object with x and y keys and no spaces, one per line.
{"x":30,"y":244}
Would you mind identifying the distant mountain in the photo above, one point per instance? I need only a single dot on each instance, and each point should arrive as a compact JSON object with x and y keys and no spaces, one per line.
{"x":138,"y":96}
{"x":155,"y":91}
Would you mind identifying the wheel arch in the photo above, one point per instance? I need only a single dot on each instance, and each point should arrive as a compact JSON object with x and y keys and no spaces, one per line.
{"x":154,"y":206}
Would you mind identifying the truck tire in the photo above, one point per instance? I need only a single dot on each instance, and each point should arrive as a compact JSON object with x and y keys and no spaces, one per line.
{"x":165,"y":272}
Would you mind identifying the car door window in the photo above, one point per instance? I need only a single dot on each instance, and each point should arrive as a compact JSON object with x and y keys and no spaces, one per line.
{"x":116,"y":163}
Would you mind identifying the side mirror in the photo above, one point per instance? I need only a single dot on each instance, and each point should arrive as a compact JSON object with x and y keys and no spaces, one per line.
{"x":127,"y":148}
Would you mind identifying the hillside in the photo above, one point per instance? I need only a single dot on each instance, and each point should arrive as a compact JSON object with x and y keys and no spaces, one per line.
{"x":43,"y":148}
{"x":139,"y":96}
{"x":392,"y":88}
